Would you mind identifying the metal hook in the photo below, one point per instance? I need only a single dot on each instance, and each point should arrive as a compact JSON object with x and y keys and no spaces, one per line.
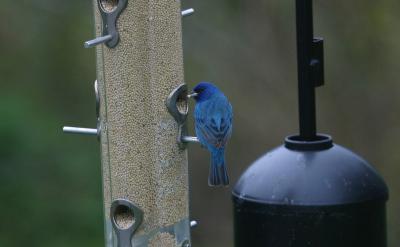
{"x":179,"y":96}
{"x":110,"y":34}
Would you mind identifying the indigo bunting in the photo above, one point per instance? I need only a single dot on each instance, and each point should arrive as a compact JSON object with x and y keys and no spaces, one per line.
{"x":213,"y":124}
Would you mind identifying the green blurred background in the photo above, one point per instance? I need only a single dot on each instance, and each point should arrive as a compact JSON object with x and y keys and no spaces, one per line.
{"x":50,"y":183}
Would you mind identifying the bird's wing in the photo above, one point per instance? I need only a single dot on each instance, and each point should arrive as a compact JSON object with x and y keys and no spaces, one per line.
{"x":214,"y":122}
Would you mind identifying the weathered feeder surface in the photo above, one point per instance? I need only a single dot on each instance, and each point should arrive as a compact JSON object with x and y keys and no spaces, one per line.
{"x":141,"y":161}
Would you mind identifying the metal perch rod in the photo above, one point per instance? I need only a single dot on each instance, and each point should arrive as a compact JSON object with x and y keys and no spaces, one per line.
{"x":193,"y":139}
{"x":76,"y":130}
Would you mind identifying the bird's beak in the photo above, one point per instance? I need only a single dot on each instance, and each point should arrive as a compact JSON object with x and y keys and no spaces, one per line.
{"x":191,"y":95}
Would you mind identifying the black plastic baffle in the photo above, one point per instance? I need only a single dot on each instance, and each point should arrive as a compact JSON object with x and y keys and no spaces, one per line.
{"x":310,"y":192}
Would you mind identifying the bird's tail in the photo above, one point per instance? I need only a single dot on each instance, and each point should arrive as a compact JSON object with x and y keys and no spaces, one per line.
{"x":218,"y":174}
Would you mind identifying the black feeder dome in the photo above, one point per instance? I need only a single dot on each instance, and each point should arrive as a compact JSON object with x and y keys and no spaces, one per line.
{"x":315,"y":194}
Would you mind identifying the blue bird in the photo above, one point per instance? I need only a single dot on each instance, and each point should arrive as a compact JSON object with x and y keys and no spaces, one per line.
{"x":213,"y":124}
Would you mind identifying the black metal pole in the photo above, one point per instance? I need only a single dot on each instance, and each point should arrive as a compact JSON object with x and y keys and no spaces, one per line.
{"x":304,"y":23}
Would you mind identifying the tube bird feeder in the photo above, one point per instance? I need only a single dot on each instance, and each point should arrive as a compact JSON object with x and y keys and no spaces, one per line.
{"x":309,"y":192}
{"x":145,"y":172}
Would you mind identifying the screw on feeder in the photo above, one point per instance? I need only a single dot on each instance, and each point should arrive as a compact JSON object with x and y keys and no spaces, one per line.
{"x":187,"y":12}
{"x":193,"y":223}
{"x":97,"y":41}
